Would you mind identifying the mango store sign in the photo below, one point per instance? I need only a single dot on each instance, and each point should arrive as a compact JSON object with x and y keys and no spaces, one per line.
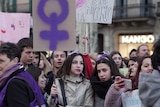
{"x":54,"y":25}
{"x":137,"y":39}
{"x":14,"y":26}
{"x":94,"y":11}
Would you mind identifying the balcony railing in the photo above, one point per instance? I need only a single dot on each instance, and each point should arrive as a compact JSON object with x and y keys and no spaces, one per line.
{"x":16,"y":5}
{"x":134,"y":11}
{"x":158,"y":9}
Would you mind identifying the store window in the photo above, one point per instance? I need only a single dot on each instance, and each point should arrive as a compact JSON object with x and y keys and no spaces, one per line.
{"x":127,"y":42}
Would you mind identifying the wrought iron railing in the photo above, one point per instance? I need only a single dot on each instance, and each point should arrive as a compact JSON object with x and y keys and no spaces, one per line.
{"x":134,"y":11}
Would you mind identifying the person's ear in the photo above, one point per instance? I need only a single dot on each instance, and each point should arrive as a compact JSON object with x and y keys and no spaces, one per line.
{"x":15,"y":60}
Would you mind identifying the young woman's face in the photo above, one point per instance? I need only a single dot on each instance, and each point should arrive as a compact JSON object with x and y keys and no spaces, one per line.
{"x":59,"y":58}
{"x":93,"y":63}
{"x":131,"y":64}
{"x":104,"y":72}
{"x":117,"y":59}
{"x":42,"y":81}
{"x":133,"y":69}
{"x":77,"y":66}
{"x":147,"y":65}
{"x":41,"y":63}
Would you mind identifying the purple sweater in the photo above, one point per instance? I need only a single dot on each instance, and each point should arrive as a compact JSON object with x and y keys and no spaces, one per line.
{"x":113,"y":97}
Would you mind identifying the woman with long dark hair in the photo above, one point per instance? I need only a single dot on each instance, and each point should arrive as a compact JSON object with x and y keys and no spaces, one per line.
{"x":72,"y":88}
{"x":102,"y":78}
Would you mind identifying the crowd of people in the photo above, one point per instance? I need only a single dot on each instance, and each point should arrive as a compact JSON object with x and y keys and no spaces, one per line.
{"x":30,"y":78}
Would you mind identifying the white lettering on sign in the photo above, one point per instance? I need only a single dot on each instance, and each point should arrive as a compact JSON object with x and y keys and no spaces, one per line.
{"x":137,"y":39}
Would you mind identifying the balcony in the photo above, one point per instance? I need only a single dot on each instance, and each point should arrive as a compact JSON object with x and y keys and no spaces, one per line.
{"x":133,"y":12}
{"x":158,"y":9}
{"x":24,"y":6}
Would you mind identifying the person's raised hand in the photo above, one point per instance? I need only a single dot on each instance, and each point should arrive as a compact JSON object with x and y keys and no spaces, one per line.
{"x":54,"y":91}
{"x":119,"y":83}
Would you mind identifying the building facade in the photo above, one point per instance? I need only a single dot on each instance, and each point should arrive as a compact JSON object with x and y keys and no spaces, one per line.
{"x":134,"y":22}
{"x":24,"y":6}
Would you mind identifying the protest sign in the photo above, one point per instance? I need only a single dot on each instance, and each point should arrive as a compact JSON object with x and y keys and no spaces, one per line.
{"x":94,"y":11}
{"x":131,"y":99}
{"x":14,"y":26}
{"x":54,"y":25}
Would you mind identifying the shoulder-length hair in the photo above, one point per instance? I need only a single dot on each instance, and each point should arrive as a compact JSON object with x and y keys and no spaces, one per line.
{"x":114,"y":53}
{"x":110,"y":62}
{"x":135,"y":79}
{"x":66,"y":68}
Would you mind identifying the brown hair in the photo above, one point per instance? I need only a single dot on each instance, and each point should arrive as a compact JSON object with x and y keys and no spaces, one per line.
{"x":66,"y":68}
{"x":135,"y":79}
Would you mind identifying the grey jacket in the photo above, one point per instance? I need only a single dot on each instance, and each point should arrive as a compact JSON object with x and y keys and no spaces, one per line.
{"x":149,"y":86}
{"x":79,"y":92}
{"x":99,"y":102}
{"x":113,"y":97}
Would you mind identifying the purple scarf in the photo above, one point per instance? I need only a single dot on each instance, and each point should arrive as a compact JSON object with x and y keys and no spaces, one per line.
{"x":9,"y":71}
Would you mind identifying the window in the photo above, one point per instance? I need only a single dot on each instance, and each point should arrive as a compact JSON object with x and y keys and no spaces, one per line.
{"x":100,"y":42}
{"x":145,"y":7}
{"x":121,"y":8}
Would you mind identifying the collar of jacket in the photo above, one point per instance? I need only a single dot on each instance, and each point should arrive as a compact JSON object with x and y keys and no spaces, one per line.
{"x":73,"y":79}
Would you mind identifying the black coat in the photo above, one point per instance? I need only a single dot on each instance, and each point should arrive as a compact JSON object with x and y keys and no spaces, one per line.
{"x":18,"y":94}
